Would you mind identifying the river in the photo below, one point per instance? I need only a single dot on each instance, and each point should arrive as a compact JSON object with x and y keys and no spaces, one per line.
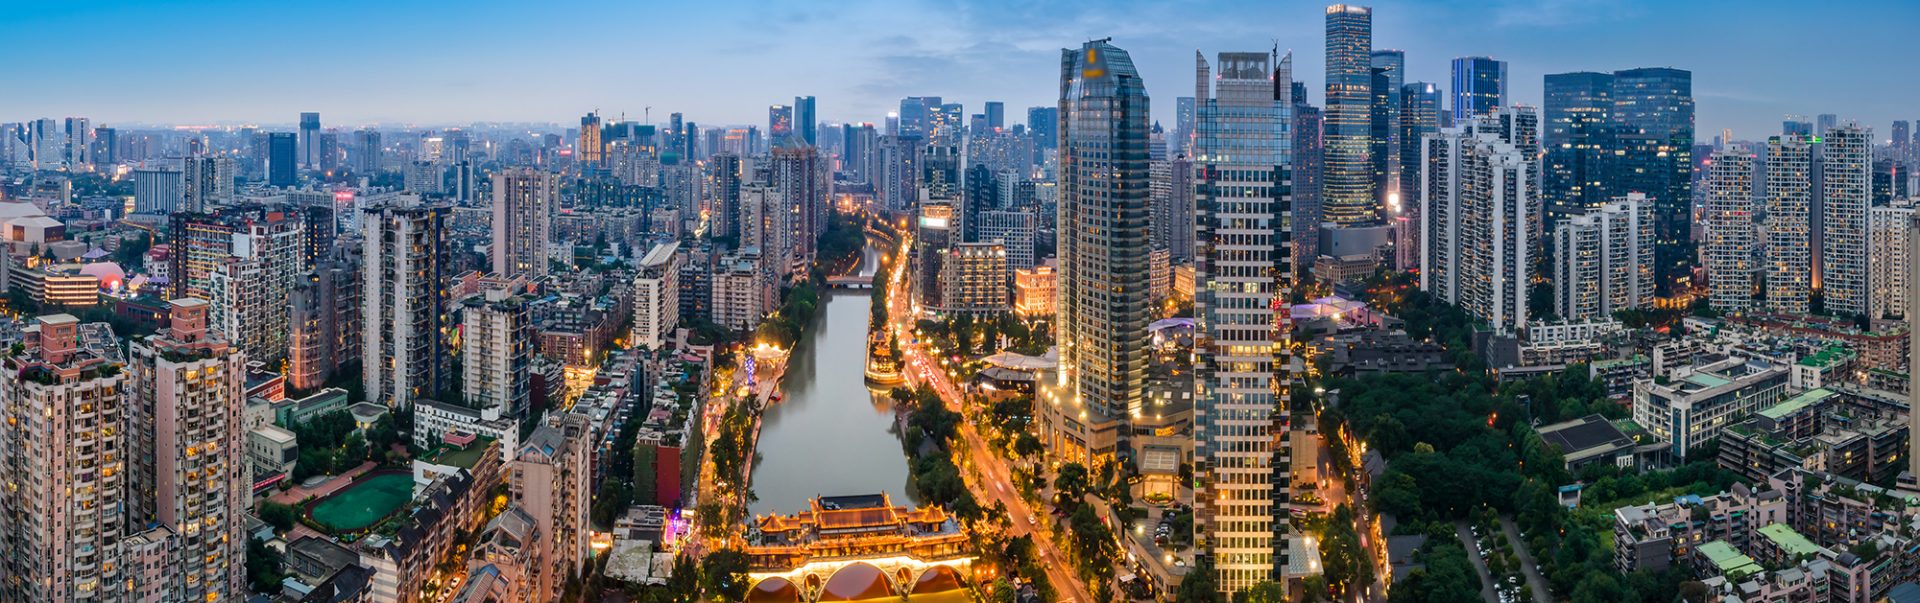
{"x":831,"y":435}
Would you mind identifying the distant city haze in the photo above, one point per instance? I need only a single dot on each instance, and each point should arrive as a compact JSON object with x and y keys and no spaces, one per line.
{"x":395,"y":63}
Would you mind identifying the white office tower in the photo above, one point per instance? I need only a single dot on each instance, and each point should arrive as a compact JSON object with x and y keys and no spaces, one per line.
{"x":207,"y":182}
{"x":656,"y":296}
{"x":1603,"y":260}
{"x":1731,"y":234}
{"x":61,"y":521}
{"x":46,"y":144}
{"x":403,"y":296}
{"x":1846,"y":183}
{"x":1242,"y":271}
{"x":189,"y":455}
{"x":1887,"y":261}
{"x":1478,"y":209}
{"x":524,"y":200}
{"x":1013,"y":229}
{"x":1790,"y":223}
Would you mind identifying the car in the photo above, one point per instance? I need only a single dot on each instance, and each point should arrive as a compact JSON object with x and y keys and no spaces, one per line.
{"x":1033,"y":521}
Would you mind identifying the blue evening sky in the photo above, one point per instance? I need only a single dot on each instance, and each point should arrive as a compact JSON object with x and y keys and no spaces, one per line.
{"x":723,"y":61}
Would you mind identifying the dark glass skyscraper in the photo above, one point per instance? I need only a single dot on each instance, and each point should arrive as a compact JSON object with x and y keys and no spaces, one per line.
{"x":1390,"y":72}
{"x":1419,"y":116}
{"x":1578,"y":137}
{"x":1347,"y":188}
{"x":309,"y":142}
{"x":1653,"y":127}
{"x":805,"y":123}
{"x":1479,"y":85}
{"x":1103,"y":225}
{"x":282,"y":155}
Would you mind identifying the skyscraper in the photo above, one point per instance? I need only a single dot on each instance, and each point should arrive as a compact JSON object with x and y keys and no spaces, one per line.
{"x":1653,"y":131}
{"x":281,"y":157}
{"x":996,"y":115}
{"x":1103,"y":229}
{"x":1578,"y":137}
{"x":1347,"y":172}
{"x":1846,"y":162}
{"x":79,"y":148}
{"x":1242,"y":272}
{"x":524,"y":200}
{"x":309,"y":140}
{"x":1419,"y":116}
{"x":1790,"y":179}
{"x":1731,"y":232}
{"x":805,"y":123}
{"x":1476,"y":215}
{"x":366,"y":151}
{"x":803,"y":183}
{"x":590,"y":151}
{"x":189,"y":451}
{"x":1308,"y":176}
{"x":1825,"y":121}
{"x":404,"y":298}
{"x":1390,"y":73}
{"x":779,"y":124}
{"x":1479,"y":85}
{"x":1887,"y":263}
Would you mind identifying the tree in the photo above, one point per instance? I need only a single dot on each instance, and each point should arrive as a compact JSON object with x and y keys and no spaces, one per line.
{"x":724,"y":574}
{"x":1200,"y":585}
{"x":263,"y":567}
{"x":1071,"y":482}
{"x":1264,"y":592}
{"x":281,"y":517}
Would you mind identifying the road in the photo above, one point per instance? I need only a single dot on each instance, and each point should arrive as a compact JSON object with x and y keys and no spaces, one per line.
{"x":1527,"y":566}
{"x":1479,"y":565}
{"x":996,"y":480}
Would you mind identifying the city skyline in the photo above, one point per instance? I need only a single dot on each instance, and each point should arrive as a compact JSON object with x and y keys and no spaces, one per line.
{"x":859,"y":62}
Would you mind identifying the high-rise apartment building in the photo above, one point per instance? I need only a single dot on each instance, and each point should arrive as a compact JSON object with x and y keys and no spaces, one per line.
{"x":1603,"y":260}
{"x":1846,"y":164}
{"x":366,"y":152}
{"x":1732,"y":234}
{"x":1347,"y":197}
{"x":207,"y":182}
{"x":1578,"y":137}
{"x":552,"y":482}
{"x":1015,"y":230}
{"x":497,"y":342}
{"x":1479,"y":85}
{"x":190,"y":471}
{"x":404,"y":356}
{"x":524,"y":200}
{"x":766,"y":224}
{"x":1477,"y":214}
{"x":62,"y":519}
{"x":804,"y":183}
{"x":1103,"y":227}
{"x":249,"y":288}
{"x":656,"y":296}
{"x":1171,"y":185}
{"x":1790,"y":195}
{"x":1887,"y":262}
{"x":1242,"y":272}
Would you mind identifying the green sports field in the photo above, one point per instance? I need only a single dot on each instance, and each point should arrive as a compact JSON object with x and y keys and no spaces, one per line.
{"x":365,"y":502}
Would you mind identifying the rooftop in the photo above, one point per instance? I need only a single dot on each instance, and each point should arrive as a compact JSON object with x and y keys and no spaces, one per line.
{"x":1788,"y":540}
{"x":1728,"y":560}
{"x":1797,"y":403}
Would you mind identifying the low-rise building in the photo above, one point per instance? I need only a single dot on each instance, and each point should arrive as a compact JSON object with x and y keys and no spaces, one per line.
{"x":1690,"y":406}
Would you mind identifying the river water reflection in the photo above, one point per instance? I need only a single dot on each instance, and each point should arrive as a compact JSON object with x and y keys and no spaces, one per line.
{"x":831,"y":435}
